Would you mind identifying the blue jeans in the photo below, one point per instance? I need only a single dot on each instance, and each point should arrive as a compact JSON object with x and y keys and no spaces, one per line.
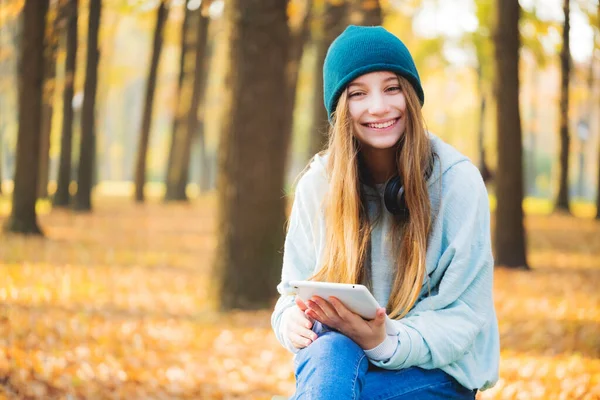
{"x":334,"y":367}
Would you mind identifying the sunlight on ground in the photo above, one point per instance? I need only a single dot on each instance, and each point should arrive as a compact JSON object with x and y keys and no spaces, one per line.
{"x":115,"y":304}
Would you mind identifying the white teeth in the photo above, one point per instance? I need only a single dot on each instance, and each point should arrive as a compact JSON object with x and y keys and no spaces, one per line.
{"x":384,"y":125}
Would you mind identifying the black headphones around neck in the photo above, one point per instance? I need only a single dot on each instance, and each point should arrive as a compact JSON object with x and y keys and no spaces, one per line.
{"x":393,"y":195}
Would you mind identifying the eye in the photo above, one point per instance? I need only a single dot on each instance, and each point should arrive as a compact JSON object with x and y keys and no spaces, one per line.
{"x":355,"y":94}
{"x":393,"y":89}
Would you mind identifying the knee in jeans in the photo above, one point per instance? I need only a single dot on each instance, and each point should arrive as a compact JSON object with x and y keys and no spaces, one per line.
{"x":333,"y":343}
{"x":332,"y":351}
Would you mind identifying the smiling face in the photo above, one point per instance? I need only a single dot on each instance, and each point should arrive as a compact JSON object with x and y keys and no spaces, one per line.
{"x":377,"y":108}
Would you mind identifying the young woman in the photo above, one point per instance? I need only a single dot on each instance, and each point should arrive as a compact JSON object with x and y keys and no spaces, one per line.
{"x":393,"y":207}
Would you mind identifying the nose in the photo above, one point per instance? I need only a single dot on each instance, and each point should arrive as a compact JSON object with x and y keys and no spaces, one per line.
{"x":378,"y":104}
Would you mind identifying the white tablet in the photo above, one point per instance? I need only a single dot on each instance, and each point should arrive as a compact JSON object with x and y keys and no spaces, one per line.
{"x":357,"y":298}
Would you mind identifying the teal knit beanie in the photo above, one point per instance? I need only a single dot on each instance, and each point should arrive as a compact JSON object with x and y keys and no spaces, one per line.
{"x":360,"y":50}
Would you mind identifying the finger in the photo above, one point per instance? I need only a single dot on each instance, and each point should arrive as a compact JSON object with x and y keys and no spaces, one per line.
{"x":314,"y":311}
{"x":304,"y":333}
{"x":379,"y":318}
{"x":341,"y":309}
{"x":299,"y":341}
{"x":301,"y":319}
{"x":327,"y":308}
{"x":300,"y":324}
{"x":328,"y":318}
{"x":317,"y":313}
{"x":320,"y":318}
{"x":312,"y":305}
{"x":301,"y":305}
{"x":303,"y":336}
{"x":349,"y":321}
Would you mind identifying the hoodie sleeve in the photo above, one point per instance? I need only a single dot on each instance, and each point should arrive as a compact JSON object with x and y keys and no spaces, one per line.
{"x":301,"y":247}
{"x":442,"y":327}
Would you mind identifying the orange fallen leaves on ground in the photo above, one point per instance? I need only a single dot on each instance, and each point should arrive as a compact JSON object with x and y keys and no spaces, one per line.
{"x":115,"y":304}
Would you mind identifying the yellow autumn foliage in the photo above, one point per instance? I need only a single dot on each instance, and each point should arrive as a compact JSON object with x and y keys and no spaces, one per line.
{"x":114,"y":304}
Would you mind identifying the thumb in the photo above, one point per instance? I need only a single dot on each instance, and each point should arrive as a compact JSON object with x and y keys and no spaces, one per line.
{"x":300,"y":304}
{"x":380,"y":316}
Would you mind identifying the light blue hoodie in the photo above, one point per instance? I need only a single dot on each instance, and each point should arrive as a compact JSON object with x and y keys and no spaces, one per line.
{"x":453,"y":327}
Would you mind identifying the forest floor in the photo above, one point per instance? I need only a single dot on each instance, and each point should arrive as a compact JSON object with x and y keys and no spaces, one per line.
{"x":115,"y":304}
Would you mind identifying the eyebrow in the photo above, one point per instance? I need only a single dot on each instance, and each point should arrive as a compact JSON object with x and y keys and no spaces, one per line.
{"x":389,"y":78}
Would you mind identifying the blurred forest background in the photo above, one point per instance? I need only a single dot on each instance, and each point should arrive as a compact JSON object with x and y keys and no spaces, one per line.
{"x":148,"y":151}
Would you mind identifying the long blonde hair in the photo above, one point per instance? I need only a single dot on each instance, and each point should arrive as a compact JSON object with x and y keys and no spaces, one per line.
{"x":348,"y":229}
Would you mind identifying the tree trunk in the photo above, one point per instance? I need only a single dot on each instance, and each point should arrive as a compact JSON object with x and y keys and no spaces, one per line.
{"x":331,"y":26}
{"x":23,"y":218}
{"x":205,"y":160}
{"x":178,"y":117}
{"x":188,"y":104}
{"x":140,"y":170}
{"x":483,"y":168}
{"x":252,"y":156}
{"x":366,"y":12}
{"x":510,"y":232}
{"x":562,"y":201}
{"x":62,"y":196}
{"x":44,"y":150}
{"x":87,"y":159}
{"x":205,"y":165}
{"x":50,"y":56}
{"x":299,"y":38}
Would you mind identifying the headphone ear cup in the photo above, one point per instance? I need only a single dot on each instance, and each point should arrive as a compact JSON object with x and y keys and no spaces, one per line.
{"x":391,"y":196}
{"x":404,"y":212}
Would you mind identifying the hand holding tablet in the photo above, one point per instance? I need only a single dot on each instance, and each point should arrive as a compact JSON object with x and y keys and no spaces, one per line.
{"x":356,"y":298}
